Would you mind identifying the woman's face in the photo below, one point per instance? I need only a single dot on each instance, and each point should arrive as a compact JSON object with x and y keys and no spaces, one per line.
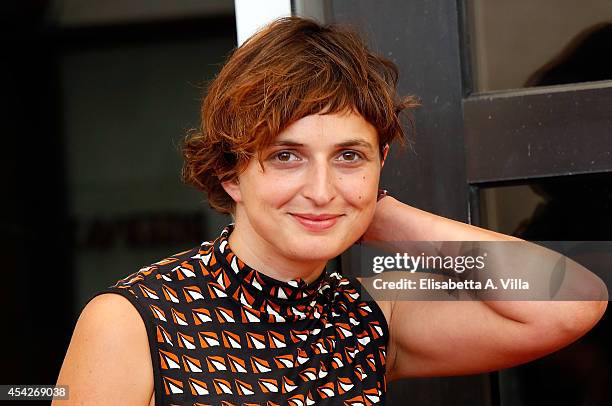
{"x":316,"y":193}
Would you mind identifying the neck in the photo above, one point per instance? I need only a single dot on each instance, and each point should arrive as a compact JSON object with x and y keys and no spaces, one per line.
{"x":259,"y":254}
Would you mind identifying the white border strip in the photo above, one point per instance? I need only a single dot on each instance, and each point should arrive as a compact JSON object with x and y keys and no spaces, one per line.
{"x":252,"y":15}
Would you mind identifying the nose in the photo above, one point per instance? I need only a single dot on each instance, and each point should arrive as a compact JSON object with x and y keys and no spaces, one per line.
{"x":319,"y":184}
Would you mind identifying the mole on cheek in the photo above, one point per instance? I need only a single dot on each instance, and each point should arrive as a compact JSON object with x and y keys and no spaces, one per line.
{"x":359,"y":197}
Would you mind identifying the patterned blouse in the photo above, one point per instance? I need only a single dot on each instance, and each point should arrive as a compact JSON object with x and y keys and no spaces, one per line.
{"x":222,"y":333}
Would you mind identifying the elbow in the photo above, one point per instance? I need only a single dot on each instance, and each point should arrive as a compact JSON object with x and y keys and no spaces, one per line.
{"x":588,"y":312}
{"x":578,"y":318}
{"x":564,"y":324}
{"x":593,"y":312}
{"x":588,"y":301}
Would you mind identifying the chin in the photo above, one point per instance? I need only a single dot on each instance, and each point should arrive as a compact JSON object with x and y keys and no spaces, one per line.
{"x":318,"y":248}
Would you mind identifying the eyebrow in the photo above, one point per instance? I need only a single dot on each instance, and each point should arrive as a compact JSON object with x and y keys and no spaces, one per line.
{"x":348,"y":143}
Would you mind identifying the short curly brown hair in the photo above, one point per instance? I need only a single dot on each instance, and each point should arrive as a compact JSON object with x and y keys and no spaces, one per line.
{"x":292,"y":68}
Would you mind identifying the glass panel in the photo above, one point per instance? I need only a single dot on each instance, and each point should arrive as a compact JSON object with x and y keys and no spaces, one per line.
{"x":524,"y":43}
{"x":126,"y":108}
{"x":571,"y":208}
{"x":566,"y":208}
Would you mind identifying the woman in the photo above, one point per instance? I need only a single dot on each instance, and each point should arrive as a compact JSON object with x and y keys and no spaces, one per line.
{"x":295,"y":131}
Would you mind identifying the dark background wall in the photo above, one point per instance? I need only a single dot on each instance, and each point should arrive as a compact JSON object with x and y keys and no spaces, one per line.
{"x":94,"y":105}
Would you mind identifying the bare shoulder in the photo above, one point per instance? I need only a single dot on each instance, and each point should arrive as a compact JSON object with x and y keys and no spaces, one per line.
{"x":108,"y":360}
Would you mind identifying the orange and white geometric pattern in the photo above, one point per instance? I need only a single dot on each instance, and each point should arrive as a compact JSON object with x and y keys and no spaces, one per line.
{"x":222,"y":333}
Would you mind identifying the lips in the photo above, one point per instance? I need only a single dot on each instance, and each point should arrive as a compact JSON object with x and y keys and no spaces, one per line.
{"x":316,"y":222}
{"x":318,"y":217}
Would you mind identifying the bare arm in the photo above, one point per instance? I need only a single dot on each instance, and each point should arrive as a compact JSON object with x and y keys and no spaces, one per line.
{"x":454,"y":338}
{"x":108,"y":361}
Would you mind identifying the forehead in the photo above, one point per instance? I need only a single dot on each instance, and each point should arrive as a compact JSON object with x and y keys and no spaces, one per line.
{"x":329,"y":128}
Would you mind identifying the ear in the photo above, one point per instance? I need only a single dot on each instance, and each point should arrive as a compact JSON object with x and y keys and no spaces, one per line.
{"x":232,"y":188}
{"x":385,"y":151}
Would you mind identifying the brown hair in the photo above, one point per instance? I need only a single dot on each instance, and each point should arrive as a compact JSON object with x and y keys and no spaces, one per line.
{"x":292,"y":68}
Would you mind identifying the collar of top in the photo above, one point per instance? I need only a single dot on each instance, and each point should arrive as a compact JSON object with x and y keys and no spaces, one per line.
{"x":259,"y":284}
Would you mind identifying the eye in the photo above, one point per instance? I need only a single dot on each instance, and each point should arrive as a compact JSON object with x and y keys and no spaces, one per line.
{"x":285,"y":156}
{"x":350,"y":156}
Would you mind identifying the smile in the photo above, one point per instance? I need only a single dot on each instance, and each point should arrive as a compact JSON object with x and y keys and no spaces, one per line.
{"x":315,"y":223}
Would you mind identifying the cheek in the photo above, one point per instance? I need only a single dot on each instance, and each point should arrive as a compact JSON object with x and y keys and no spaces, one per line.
{"x":273,"y":190}
{"x":359,"y":190}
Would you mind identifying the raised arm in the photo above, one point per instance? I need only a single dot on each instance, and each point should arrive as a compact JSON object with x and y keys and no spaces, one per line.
{"x":108,"y":361}
{"x":436,"y":338}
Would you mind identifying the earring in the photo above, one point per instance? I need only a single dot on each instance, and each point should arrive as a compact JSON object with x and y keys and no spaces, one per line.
{"x":381,"y":193}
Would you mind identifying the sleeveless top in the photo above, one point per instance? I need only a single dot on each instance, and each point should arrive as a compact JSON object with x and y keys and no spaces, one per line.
{"x":222,"y":333}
